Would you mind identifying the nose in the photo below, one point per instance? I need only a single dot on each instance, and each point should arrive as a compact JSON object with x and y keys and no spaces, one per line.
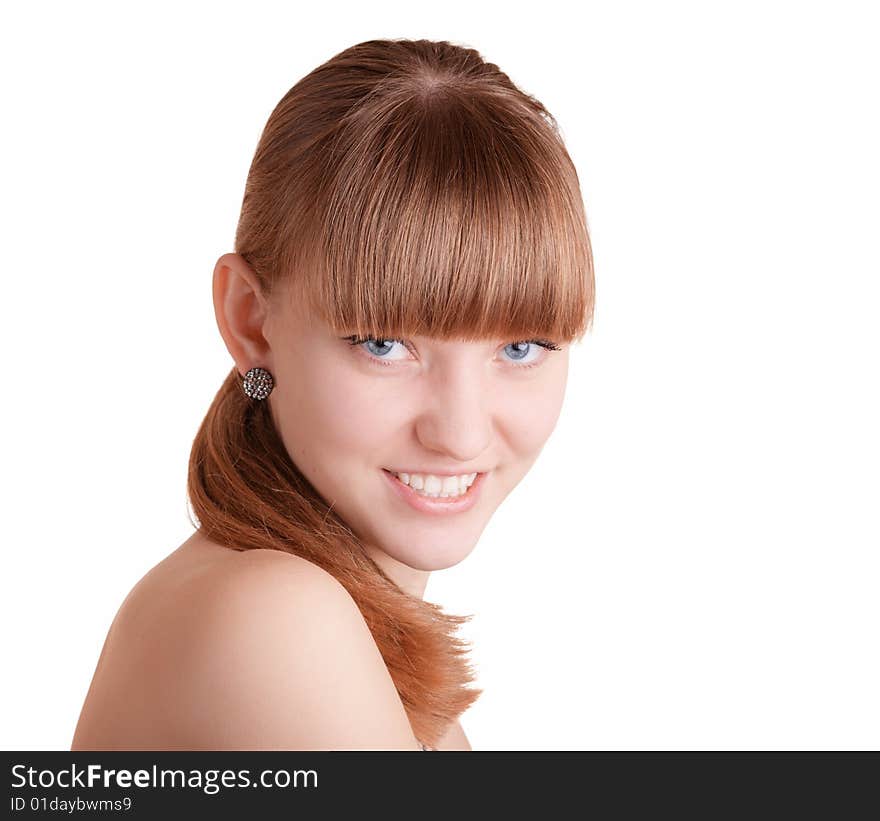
{"x":457,"y":419}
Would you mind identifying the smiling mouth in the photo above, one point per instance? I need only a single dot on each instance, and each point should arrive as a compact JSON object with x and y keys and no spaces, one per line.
{"x":431,"y":486}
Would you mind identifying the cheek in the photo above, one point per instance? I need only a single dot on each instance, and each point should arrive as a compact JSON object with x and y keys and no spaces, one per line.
{"x":531,"y":416}
{"x":330,"y":415}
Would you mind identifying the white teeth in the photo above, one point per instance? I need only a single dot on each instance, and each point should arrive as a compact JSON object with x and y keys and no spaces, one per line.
{"x":433,"y":484}
{"x":449,"y":486}
{"x":436,"y":486}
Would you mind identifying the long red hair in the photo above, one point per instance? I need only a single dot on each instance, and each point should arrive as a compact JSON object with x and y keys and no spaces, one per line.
{"x":402,"y":188}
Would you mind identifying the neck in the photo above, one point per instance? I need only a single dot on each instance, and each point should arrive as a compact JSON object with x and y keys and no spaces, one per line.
{"x":407,"y":578}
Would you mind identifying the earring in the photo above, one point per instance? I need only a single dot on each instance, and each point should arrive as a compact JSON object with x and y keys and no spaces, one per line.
{"x":258,"y":383}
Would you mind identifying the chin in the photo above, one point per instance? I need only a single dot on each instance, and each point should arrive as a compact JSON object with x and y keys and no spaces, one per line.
{"x":435,"y":565}
{"x":429,"y":559}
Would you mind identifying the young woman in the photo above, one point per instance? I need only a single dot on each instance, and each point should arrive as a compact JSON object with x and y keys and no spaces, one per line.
{"x":411,"y":264}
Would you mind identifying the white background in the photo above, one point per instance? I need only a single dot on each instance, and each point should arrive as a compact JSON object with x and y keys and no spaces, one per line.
{"x":693,"y":561}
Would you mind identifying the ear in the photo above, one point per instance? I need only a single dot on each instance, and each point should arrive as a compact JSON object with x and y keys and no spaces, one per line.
{"x":241,"y":311}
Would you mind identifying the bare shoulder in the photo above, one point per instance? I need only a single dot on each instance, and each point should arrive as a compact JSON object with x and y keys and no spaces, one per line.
{"x":257,"y":650}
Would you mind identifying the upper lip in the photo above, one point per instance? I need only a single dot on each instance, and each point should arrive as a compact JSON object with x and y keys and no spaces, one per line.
{"x":437,"y":472}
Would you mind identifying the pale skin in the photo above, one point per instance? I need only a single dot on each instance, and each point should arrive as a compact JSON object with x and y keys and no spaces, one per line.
{"x":260,"y":649}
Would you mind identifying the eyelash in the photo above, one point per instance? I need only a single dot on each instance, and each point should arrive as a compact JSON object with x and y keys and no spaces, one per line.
{"x":359,"y":340}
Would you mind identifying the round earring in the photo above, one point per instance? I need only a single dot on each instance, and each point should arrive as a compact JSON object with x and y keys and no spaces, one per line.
{"x":258,"y":383}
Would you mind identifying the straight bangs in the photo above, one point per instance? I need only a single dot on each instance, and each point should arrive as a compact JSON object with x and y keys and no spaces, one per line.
{"x":453,"y":213}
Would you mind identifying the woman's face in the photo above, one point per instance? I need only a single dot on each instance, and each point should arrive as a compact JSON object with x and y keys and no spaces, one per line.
{"x":348,"y":413}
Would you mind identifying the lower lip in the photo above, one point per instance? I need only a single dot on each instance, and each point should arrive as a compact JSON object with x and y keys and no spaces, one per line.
{"x":440,"y":505}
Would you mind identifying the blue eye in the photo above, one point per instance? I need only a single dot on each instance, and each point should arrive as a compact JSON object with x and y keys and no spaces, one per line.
{"x":377,"y":347}
{"x":384,"y":345}
{"x":520,"y":352}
